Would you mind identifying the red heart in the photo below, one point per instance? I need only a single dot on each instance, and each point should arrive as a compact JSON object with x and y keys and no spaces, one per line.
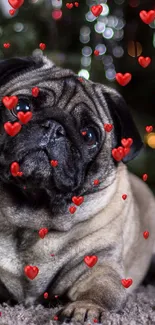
{"x":14,"y":169}
{"x":147,"y":17}
{"x":42,"y":46}
{"x":69,"y":5}
{"x":6,"y":45}
{"x":96,"y":10}
{"x":146,"y":234}
{"x":96,"y":182}
{"x":43,"y":232}
{"x":12,"y":129}
{"x":127,"y":142}
{"x":145,"y":177}
{"x":123,"y":80}
{"x":45,"y":295}
{"x":54,"y":163}
{"x":12,"y":12}
{"x":108,"y":127}
{"x":10,"y":102}
{"x":126,"y":151}
{"x":76,"y":4}
{"x":72,"y":209}
{"x":90,"y":260}
{"x":126,"y":282}
{"x":149,"y":128}
{"x":144,"y":62}
{"x":78,"y":200}
{"x":118,"y":153}
{"x":84,"y":133}
{"x":96,"y":52}
{"x":35,"y":91}
{"x":31,"y":271}
{"x":55,"y":317}
{"x":24,"y":117}
{"x":16,"y":4}
{"x":124,"y":196}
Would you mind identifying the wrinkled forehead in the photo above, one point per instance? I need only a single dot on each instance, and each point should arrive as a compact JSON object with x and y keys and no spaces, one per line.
{"x":62,"y":89}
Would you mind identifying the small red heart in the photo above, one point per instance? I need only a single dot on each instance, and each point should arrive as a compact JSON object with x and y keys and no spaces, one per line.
{"x":45,"y":295}
{"x":42,"y":46}
{"x":144,"y":62}
{"x":16,"y":4}
{"x":90,"y":260}
{"x":43,"y":232}
{"x":55,"y":317}
{"x":24,"y":117}
{"x":146,"y":234}
{"x":96,"y":52}
{"x":76,"y":4}
{"x":147,"y":17}
{"x":126,"y":142}
{"x":126,"y":282}
{"x":14,"y":169}
{"x":78,"y":200}
{"x":84,"y":133}
{"x":12,"y":129}
{"x":124,"y":196}
{"x":10,"y":102}
{"x":126,"y":151}
{"x":12,"y":12}
{"x":145,"y":177}
{"x":108,"y":127}
{"x":52,"y":254}
{"x":69,"y":5}
{"x":6,"y":45}
{"x":31,"y":271}
{"x":118,"y":153}
{"x":54,"y":163}
{"x":149,"y":128}
{"x":123,"y":79}
{"x":95,"y":320}
{"x":96,"y":182}
{"x":96,"y":10}
{"x":72,"y":209}
{"x":35,"y":91}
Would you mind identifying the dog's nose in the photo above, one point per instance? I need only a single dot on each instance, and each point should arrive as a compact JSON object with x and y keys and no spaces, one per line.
{"x":54,"y":130}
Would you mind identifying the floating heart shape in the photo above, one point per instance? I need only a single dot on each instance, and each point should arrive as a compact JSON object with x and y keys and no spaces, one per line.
{"x":16,"y":4}
{"x":96,"y":52}
{"x":123,"y":80}
{"x":90,"y":260}
{"x":146,"y":234}
{"x":43,"y":232}
{"x":126,"y":142}
{"x":42,"y":46}
{"x":15,"y":169}
{"x":45,"y":295}
{"x":12,"y":129}
{"x":96,"y":182}
{"x":69,"y":5}
{"x":10,"y":102}
{"x":108,"y":127}
{"x":31,"y":271}
{"x":118,"y":153}
{"x":76,"y":4}
{"x":126,"y":283}
{"x":6,"y":45}
{"x":149,"y":128}
{"x":12,"y":12}
{"x":124,"y":196}
{"x":96,"y":10}
{"x":72,"y":209}
{"x":126,"y":151}
{"x":35,"y":92}
{"x":145,"y":177}
{"x":147,"y":17}
{"x":78,"y":200}
{"x":144,"y":62}
{"x":54,"y":163}
{"x":24,"y":117}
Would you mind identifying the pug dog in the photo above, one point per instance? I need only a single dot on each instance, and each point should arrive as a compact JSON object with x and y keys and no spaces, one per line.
{"x":63,"y":174}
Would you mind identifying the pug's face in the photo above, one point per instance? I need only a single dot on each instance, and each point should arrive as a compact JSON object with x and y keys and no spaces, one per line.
{"x":67,"y":126}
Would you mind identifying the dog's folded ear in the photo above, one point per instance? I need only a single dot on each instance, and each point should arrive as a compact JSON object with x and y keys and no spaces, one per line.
{"x":124,"y":125}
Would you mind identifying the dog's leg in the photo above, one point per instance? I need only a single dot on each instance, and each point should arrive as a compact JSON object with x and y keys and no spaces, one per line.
{"x":100,"y":291}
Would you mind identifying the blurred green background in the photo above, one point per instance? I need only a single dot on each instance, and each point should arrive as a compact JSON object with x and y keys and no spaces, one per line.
{"x":72,"y":35}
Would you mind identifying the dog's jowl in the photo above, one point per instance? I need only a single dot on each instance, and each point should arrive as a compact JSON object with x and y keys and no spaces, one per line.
{"x":71,"y":215}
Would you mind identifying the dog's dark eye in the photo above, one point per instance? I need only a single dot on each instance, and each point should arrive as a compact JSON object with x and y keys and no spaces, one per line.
{"x":22,"y":106}
{"x":89,"y":136}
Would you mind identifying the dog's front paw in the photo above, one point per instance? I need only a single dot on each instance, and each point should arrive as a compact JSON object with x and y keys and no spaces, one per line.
{"x":81,"y":311}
